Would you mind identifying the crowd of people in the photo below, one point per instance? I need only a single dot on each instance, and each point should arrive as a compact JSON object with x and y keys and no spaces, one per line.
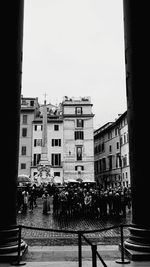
{"x":76,"y":200}
{"x":86,"y":201}
{"x":26,"y":199}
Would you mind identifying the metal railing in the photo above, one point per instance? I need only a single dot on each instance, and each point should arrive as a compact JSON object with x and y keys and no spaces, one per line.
{"x":80,"y":235}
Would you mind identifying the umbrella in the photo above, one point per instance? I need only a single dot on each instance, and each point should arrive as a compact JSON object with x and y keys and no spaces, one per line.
{"x":72,"y":181}
{"x":57,"y":180}
{"x":23,"y":178}
{"x":88,"y":181}
{"x":79,"y":180}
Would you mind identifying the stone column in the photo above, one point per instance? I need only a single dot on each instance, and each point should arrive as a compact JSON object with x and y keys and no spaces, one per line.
{"x":44,"y":164}
{"x":11,"y":71}
{"x":136,"y":27}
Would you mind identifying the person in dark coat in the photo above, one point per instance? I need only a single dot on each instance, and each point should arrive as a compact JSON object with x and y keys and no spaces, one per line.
{"x":46,"y":202}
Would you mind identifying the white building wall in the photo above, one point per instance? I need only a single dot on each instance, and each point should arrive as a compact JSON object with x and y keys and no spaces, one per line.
{"x":70,"y":144}
{"x":27,"y":142}
{"x":125,"y":154}
{"x":70,"y":109}
{"x":51,"y":134}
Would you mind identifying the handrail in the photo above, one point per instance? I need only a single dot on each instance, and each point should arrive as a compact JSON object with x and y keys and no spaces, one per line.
{"x":75,"y":231}
{"x":80,"y":234}
{"x":94,"y":247}
{"x":106,"y":228}
{"x":94,"y":253}
{"x":49,"y":229}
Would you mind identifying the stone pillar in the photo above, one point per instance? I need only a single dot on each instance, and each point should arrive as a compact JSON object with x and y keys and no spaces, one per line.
{"x":11,"y":71}
{"x":136,"y":27}
{"x":44,"y":164}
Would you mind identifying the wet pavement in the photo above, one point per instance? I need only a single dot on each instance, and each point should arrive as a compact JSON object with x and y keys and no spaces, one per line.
{"x":38,"y":237}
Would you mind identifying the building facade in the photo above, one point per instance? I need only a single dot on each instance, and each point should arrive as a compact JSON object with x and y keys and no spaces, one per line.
{"x":28,"y":112}
{"x":78,"y":160}
{"x":54,"y":144}
{"x":111,"y":150}
{"x":69,"y":135}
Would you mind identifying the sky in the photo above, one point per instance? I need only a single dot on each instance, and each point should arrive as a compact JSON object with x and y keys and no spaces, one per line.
{"x":75,"y":48}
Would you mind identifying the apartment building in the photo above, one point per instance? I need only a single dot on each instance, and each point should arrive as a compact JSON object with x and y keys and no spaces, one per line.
{"x":69,"y":139}
{"x":28,"y":112}
{"x":111,"y":150}
{"x":78,"y":160}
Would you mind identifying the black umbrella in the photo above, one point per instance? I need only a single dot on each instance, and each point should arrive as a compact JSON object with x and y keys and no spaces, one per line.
{"x":23,"y":178}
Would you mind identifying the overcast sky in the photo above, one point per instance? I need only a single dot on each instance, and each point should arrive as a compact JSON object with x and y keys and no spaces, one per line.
{"x":75,"y":48}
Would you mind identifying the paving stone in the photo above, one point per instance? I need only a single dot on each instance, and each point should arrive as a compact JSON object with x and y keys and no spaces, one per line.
{"x":37,"y":219}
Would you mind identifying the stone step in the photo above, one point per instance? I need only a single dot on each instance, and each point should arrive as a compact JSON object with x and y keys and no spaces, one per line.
{"x":11,"y":256}
{"x":69,"y":253}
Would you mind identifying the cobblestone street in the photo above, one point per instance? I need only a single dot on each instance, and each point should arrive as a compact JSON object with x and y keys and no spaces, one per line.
{"x":39,"y":237}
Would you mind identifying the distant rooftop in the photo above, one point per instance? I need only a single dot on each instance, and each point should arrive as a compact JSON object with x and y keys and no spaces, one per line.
{"x":77,"y":99}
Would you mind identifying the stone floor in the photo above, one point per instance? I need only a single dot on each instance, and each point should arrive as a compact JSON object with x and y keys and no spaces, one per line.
{"x":39,"y":237}
{"x":46,"y":249}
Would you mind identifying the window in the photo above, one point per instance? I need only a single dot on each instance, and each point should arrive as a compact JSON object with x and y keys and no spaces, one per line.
{"x":56,"y":159}
{"x":38,"y":127}
{"x":78,"y":110}
{"x":24,"y":119}
{"x":103,"y":147}
{"x":24,"y":102}
{"x":36,"y":159}
{"x":118,"y":160}
{"x":124,"y":138}
{"x":37,"y":142}
{"x":99,"y":165}
{"x":23,"y":150}
{"x":23,"y":166}
{"x":124,"y":161}
{"x":56,"y":174}
{"x":117,"y":145}
{"x":99,"y":148}
{"x":116,"y":131}
{"x":56,"y":127}
{"x":56,"y":142}
{"x":80,"y":123}
{"x":110,"y":135}
{"x":79,"y":152}
{"x":79,"y":135}
{"x":32,"y":103}
{"x":79,"y":168}
{"x":110,"y":148}
{"x":103,"y":164}
{"x":127,"y":137}
{"x":110,"y":162}
{"x":24,"y":132}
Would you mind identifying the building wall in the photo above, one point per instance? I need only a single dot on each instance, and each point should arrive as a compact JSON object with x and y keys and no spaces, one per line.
{"x":52,"y":146}
{"x":109,"y":148}
{"x":109,"y":141}
{"x":125,"y":153}
{"x":55,"y":148}
{"x":28,"y":109}
{"x":73,"y":168}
